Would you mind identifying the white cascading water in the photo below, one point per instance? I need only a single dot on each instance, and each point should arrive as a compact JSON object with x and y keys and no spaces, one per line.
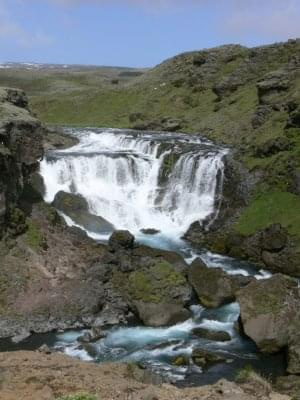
{"x":118,"y":172}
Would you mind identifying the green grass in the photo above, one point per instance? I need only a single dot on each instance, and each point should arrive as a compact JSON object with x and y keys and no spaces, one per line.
{"x":244,"y":374}
{"x":34,"y":237}
{"x":268,"y":208}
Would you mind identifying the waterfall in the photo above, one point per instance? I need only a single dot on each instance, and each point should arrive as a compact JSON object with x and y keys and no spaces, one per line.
{"x":120,"y":175}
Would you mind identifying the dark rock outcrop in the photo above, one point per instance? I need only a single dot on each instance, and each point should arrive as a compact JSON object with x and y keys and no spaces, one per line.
{"x":76,"y":207}
{"x":20,"y":150}
{"x":272,"y":84}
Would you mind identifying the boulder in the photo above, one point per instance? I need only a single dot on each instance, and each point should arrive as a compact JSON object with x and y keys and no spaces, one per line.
{"x":204,"y":358}
{"x":217,"y":336}
{"x":213,"y":286}
{"x":96,"y":333}
{"x":268,"y":310}
{"x":76,"y":207}
{"x":162,"y":313}
{"x":121,"y":239}
{"x":156,"y":291}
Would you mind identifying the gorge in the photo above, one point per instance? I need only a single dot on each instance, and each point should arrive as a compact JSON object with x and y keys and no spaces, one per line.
{"x":174,"y":253}
{"x":159,"y":183}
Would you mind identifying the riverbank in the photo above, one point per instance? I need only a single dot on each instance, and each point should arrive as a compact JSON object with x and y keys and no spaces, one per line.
{"x":37,"y":376}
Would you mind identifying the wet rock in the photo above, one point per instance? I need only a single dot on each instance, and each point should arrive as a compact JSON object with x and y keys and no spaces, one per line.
{"x":57,"y":138}
{"x":161,"y":313}
{"x":96,"y":333}
{"x":150,"y":231}
{"x":180,"y":361}
{"x":121,"y":239}
{"x":213,"y":286}
{"x":76,"y":207}
{"x":204,"y":358}
{"x":218,"y":336}
{"x":268,"y":309}
{"x":85,"y":338}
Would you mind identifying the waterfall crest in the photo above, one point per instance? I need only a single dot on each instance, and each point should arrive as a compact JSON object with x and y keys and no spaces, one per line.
{"x":120,"y":175}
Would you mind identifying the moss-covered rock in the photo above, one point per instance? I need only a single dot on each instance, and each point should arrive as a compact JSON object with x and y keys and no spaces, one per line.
{"x":158,"y":293}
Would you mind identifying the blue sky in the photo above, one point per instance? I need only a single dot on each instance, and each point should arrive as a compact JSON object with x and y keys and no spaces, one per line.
{"x":137,"y":32}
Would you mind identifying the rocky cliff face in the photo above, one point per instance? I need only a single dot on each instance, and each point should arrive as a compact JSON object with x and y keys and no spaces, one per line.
{"x":20,"y":150}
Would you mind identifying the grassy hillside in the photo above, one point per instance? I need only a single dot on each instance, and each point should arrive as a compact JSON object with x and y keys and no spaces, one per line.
{"x":246,"y":98}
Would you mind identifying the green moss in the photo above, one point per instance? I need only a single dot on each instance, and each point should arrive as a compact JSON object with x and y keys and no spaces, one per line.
{"x":34,"y":236}
{"x":150,"y":285}
{"x":141,"y":288}
{"x":270,"y":207}
{"x":164,"y":272}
